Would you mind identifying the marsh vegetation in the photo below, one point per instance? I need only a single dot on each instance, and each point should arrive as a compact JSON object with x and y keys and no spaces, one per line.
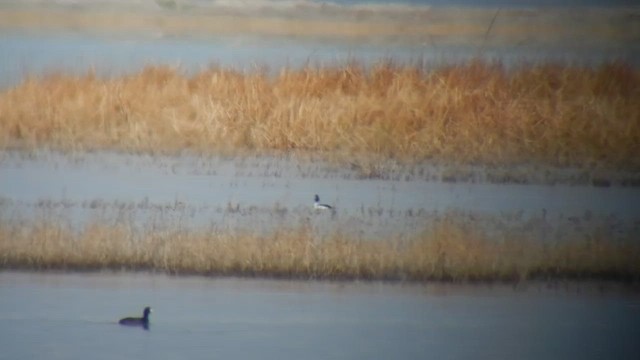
{"x":355,"y":116}
{"x":472,"y":121}
{"x":450,"y":249}
{"x":476,"y":113}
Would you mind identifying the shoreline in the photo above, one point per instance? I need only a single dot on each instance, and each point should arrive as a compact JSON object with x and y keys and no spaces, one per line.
{"x":568,"y":284}
{"x":432,"y":26}
{"x":139,"y":278}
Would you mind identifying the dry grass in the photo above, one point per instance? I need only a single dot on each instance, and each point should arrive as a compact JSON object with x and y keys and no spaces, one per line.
{"x":448,"y":252}
{"x":473,"y":113}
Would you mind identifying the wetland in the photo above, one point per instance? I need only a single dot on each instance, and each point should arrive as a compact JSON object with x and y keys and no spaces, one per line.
{"x":481,"y":161}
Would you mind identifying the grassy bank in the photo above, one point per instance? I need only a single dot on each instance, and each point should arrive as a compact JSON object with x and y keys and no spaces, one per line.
{"x":448,"y":251}
{"x":473,"y":113}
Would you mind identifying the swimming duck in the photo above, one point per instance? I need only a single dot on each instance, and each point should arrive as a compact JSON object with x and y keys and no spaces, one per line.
{"x":317,"y":205}
{"x":135,"y":321}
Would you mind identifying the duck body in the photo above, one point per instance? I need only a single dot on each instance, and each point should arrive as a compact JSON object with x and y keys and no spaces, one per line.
{"x":137,"y":321}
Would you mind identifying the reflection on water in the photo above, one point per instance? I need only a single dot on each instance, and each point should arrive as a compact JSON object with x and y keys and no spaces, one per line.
{"x":63,"y":316}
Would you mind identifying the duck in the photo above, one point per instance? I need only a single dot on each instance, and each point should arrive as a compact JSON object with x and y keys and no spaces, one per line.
{"x":318,"y":206}
{"x":138,"y":321}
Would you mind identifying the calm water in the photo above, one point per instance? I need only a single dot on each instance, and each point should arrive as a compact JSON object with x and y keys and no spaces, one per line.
{"x":37,"y":54}
{"x":60,"y":316}
{"x":261,"y":194}
{"x":111,"y":54}
{"x":24,"y":53}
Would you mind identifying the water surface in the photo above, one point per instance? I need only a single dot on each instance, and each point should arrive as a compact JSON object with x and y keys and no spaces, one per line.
{"x":260,"y":194}
{"x":74,"y":316}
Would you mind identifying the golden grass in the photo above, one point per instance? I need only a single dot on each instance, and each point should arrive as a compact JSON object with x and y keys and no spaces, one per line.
{"x":472,"y":113}
{"x":449,"y":251}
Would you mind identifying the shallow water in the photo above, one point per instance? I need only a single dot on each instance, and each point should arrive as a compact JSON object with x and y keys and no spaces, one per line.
{"x":261,"y":194}
{"x":64,"y":316}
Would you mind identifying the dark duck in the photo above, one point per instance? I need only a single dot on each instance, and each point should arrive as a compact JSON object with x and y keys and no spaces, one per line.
{"x":138,"y":321}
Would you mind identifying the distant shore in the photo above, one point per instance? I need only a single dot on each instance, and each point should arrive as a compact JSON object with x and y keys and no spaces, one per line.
{"x":414,"y":25}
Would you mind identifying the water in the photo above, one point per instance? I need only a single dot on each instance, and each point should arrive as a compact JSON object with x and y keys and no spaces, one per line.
{"x":112,"y":53}
{"x":67,"y":316}
{"x":37,"y":54}
{"x":261,"y":194}
{"x":266,"y":181}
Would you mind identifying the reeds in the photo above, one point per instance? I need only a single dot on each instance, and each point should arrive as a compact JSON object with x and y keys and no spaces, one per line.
{"x":471,"y":113}
{"x":448,"y":251}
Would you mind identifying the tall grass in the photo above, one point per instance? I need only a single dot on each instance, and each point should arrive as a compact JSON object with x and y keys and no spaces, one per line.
{"x":471,"y":113}
{"x":448,"y":251}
